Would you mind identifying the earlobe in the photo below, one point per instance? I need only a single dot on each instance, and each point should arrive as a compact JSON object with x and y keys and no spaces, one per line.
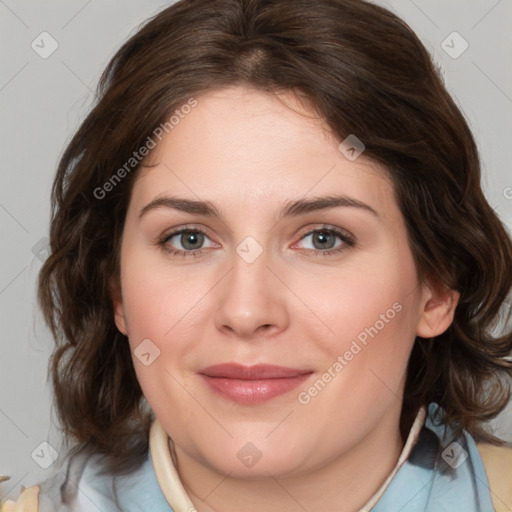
{"x":117,"y":305}
{"x":438,"y":310}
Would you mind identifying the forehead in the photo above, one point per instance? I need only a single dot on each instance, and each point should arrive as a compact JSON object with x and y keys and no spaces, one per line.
{"x":241,"y":146}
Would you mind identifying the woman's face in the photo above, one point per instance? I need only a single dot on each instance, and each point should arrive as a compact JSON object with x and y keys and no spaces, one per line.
{"x":264,"y":340}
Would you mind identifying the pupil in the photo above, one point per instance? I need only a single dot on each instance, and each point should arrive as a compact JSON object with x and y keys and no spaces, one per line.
{"x":190,"y":238}
{"x":322,"y":236}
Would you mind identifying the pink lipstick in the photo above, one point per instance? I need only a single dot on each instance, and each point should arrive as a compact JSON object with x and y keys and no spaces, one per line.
{"x":252,"y":384}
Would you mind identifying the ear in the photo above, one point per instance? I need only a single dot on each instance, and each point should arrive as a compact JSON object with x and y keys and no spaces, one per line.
{"x":117,"y":304}
{"x":437,"y":309}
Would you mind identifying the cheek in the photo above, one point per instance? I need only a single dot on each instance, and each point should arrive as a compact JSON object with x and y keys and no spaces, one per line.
{"x":363,"y":299}
{"x":155,"y":297}
{"x":163,"y":311}
{"x":156,"y":315}
{"x":143,"y":311}
{"x":371,"y":312}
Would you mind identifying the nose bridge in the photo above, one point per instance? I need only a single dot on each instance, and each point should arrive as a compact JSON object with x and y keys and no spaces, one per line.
{"x":251,"y":296}
{"x":250,"y":264}
{"x":248,"y":279}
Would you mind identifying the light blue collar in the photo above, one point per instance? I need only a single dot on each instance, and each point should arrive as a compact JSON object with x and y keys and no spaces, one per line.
{"x":441,"y":474}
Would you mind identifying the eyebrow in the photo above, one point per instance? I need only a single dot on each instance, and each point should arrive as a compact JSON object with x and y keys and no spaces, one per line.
{"x":293,"y":208}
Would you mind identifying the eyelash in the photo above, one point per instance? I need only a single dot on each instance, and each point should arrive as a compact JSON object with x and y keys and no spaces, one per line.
{"x":347,"y":240}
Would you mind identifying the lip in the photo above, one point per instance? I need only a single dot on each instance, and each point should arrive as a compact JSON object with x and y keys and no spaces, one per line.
{"x":252,"y":384}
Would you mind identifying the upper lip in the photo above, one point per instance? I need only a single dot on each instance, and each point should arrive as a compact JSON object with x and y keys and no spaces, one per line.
{"x":256,"y":372}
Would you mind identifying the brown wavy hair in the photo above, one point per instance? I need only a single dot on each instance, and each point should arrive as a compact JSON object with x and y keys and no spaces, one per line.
{"x":365,"y":72}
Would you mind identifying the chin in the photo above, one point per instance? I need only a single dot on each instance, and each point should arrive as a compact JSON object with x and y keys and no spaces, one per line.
{"x":255,"y":460}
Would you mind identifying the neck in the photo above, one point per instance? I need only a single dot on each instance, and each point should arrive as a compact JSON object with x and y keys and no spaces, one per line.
{"x":344,"y":483}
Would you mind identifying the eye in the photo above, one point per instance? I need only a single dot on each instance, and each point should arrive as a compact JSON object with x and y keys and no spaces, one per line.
{"x":324,"y":240}
{"x":191,"y":239}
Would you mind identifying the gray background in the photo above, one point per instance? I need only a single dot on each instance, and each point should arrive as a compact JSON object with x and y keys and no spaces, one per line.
{"x":42,"y":102}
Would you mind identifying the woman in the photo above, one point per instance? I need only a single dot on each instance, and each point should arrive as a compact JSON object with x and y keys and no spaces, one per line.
{"x":273,"y":273}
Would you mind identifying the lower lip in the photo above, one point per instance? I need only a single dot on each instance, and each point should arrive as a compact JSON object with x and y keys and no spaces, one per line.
{"x":253,"y":391}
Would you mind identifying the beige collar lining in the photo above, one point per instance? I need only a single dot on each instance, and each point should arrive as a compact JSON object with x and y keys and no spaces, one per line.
{"x":164,"y":461}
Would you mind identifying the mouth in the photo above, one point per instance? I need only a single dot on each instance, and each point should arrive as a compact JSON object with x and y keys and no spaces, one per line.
{"x":252,"y":384}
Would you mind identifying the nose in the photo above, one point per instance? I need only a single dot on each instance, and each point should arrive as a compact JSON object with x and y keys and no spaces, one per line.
{"x":251,"y":299}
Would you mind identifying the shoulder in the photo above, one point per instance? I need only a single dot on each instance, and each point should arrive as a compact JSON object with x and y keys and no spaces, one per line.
{"x":27,"y":501}
{"x":442,"y":472}
{"x":58,"y":492}
{"x":498,"y":466}
{"x":81,"y":484}
{"x":481,"y":471}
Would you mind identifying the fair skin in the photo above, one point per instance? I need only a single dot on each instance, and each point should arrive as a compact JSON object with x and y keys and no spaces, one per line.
{"x":249,"y":154}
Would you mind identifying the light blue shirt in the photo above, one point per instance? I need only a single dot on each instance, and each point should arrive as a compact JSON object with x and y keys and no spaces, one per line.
{"x":441,"y":474}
